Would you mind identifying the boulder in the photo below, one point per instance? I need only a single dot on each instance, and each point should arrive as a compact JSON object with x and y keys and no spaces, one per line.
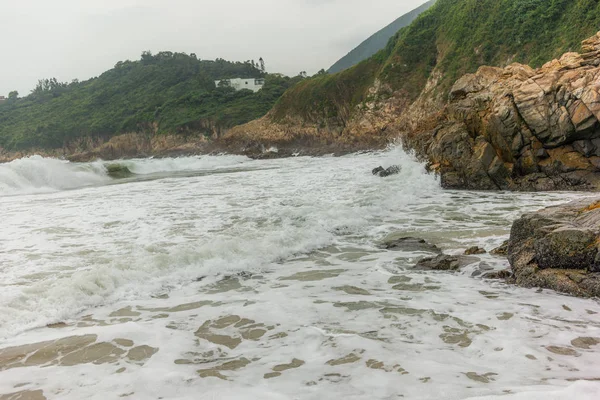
{"x":558,"y":248}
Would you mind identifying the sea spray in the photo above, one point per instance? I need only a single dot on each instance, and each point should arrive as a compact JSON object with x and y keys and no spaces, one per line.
{"x":38,"y":174}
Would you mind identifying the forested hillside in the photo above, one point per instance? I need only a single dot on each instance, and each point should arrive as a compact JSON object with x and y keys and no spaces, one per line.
{"x":162,"y":93}
{"x":378,"y":40}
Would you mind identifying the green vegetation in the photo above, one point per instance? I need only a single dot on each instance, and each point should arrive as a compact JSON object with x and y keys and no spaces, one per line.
{"x":378,"y":40}
{"x":328,"y":98}
{"x":455,"y":37}
{"x":162,"y":93}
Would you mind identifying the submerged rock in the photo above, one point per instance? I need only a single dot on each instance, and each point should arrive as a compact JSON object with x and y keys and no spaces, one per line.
{"x":474,"y":250}
{"x":410,"y":244}
{"x":444,"y":262}
{"x":118,"y":171}
{"x":498,"y":275}
{"x":558,"y":248}
{"x":382,"y":172}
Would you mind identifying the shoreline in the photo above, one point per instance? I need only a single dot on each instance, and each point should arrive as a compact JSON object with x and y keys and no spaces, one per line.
{"x":113,"y":150}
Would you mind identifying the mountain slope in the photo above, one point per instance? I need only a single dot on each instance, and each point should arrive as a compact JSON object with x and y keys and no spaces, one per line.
{"x":378,"y":40}
{"x":422,"y":62}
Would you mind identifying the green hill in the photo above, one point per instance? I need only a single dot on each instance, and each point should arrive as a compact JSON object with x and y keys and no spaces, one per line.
{"x":453,"y":37}
{"x":378,"y":40}
{"x":162,"y":93}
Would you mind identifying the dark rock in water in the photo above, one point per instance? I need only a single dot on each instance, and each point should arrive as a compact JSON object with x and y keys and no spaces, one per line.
{"x":410,"y":244}
{"x":474,"y":250}
{"x":378,"y":170}
{"x":501,"y":251}
{"x":393,"y":170}
{"x":445,"y":262}
{"x":481,"y":268}
{"x":244,"y":274}
{"x":117,"y":171}
{"x":499,"y":275}
{"x":558,"y":248}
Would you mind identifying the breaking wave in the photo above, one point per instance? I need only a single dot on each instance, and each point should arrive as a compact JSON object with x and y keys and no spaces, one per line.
{"x":38,"y":174}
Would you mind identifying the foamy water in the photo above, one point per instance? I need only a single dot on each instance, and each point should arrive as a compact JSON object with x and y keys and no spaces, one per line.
{"x":226,"y":278}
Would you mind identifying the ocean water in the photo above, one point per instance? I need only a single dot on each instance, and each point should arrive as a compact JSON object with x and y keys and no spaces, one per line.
{"x":226,"y":278}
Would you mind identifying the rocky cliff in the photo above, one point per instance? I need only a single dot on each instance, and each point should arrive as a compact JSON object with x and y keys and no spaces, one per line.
{"x":512,"y":128}
{"x":519,"y":128}
{"x":517,"y":124}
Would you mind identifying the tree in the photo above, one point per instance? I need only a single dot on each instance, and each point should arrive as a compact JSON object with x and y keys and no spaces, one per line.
{"x":303,"y":74}
{"x":147,"y":57}
{"x":13,"y":95}
{"x":262,"y":64}
{"x":321,"y":72}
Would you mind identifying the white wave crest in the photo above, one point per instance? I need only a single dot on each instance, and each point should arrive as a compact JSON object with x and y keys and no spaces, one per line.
{"x":38,"y":174}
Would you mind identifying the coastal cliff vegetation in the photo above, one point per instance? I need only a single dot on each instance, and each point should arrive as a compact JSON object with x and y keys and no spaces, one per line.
{"x":453,"y":37}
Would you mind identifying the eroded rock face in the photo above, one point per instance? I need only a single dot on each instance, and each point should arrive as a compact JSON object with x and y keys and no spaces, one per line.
{"x":520,"y":129}
{"x":558,"y":248}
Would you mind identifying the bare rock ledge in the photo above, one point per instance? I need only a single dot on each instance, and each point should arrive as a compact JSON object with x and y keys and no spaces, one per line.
{"x":558,"y":248}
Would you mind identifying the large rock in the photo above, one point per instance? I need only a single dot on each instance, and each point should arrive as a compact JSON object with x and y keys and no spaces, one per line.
{"x":558,"y":248}
{"x":518,"y":128}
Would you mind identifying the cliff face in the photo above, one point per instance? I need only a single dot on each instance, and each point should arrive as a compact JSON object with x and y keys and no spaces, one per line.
{"x":512,"y":128}
{"x":519,"y":128}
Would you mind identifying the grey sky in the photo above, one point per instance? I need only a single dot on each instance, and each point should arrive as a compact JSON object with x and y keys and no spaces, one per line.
{"x":70,"y":39}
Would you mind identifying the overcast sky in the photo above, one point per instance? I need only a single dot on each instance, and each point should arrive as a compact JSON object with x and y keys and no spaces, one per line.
{"x":70,"y":39}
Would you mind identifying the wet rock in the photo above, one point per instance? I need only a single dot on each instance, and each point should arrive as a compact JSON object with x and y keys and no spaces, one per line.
{"x":481,"y":269}
{"x":446,"y":262}
{"x":500,"y":251}
{"x":393,"y":170}
{"x":378,"y":170}
{"x":558,"y":248}
{"x":498,"y":275}
{"x":474,"y":251}
{"x":410,"y":244}
{"x":118,"y":171}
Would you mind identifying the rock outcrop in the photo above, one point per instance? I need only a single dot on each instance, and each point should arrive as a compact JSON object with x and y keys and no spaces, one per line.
{"x":518,"y":128}
{"x":558,"y":248}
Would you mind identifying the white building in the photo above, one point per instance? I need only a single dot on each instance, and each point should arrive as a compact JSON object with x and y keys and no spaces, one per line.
{"x":238,"y":83}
